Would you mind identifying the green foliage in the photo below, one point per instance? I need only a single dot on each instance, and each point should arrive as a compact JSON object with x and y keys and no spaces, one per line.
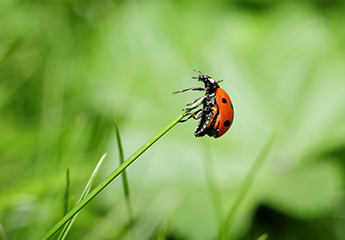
{"x":66,"y":228}
{"x":67,"y":68}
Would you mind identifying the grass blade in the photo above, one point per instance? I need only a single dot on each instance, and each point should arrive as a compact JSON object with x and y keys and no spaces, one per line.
{"x":124,"y":175}
{"x":87,"y":188}
{"x":67,"y":189}
{"x":111,"y":177}
{"x":224,"y":231}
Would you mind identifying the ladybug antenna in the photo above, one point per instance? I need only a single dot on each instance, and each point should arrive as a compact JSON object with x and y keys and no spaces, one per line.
{"x":219,"y":81}
{"x":197,"y":71}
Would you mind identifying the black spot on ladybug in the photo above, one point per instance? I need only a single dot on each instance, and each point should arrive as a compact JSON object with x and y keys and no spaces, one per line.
{"x":227,"y":123}
{"x":223,"y":100}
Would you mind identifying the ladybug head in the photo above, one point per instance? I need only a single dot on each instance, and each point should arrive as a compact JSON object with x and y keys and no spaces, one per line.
{"x":210,"y":84}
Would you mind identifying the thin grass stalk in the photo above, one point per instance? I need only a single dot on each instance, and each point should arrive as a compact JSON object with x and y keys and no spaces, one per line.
{"x":110,"y":178}
{"x":124,"y":174}
{"x":66,"y":200}
{"x":87,"y":188}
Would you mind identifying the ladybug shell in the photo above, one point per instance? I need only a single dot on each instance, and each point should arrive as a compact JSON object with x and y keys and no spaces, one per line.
{"x":223,"y":112}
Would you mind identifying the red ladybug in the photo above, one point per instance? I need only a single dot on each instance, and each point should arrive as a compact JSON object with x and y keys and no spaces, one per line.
{"x":217,"y":113}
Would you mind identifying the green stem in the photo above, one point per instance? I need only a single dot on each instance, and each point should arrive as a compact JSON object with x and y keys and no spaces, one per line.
{"x":110,"y":178}
{"x":67,"y":189}
{"x":124,"y":175}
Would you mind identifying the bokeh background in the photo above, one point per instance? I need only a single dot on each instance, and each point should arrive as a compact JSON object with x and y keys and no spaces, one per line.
{"x":67,"y":68}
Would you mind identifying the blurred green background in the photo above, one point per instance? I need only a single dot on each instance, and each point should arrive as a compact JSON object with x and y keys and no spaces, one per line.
{"x":67,"y":68}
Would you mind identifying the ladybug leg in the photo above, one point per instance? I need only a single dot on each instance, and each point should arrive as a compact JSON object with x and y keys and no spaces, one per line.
{"x":190,"y":104}
{"x":187,"y":89}
{"x":196,"y":103}
{"x":196,"y":115}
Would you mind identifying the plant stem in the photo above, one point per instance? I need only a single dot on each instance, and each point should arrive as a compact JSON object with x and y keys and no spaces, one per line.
{"x":124,"y":175}
{"x":67,"y":189}
{"x":110,"y":178}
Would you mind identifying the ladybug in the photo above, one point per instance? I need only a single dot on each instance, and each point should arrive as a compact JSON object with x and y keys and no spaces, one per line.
{"x":217,"y":113}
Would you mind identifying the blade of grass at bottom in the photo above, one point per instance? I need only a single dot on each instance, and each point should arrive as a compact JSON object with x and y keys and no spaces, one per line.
{"x":124,"y":175}
{"x":87,"y":188}
{"x":111,"y":177}
{"x":224,"y":231}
